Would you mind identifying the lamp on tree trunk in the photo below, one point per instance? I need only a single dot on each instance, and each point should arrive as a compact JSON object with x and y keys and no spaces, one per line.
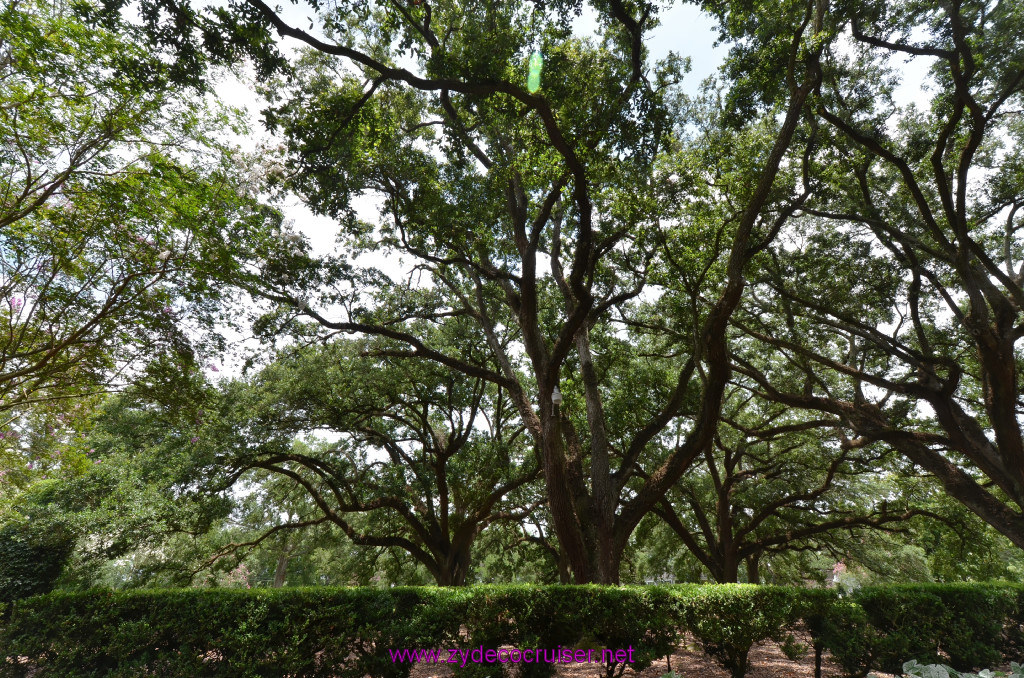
{"x":556,"y":397}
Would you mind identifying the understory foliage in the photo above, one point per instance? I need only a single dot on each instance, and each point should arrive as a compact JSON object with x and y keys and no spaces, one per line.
{"x":347,"y":632}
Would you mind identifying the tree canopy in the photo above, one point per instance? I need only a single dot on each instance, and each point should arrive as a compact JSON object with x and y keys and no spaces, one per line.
{"x":118,"y":197}
{"x":542,"y":217}
{"x":425,"y":460}
{"x":893,"y":306}
{"x":755,"y":312}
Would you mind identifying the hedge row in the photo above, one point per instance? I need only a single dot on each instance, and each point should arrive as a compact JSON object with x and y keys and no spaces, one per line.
{"x":346,"y":633}
{"x":967,"y":626}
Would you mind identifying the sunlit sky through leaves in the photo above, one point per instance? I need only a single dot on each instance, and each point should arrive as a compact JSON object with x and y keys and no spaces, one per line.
{"x":684,"y":29}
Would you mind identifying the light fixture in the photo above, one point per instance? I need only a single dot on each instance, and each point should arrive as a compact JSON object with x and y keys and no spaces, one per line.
{"x":556,"y":397}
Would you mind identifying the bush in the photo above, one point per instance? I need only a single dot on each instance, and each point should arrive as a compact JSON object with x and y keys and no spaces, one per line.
{"x":30,"y":563}
{"x":586,"y":617}
{"x":815,"y":607}
{"x":849,"y":636}
{"x":508,"y":615}
{"x":347,"y":632}
{"x":728,"y":619}
{"x":976,"y":616}
{"x":883,"y":627}
{"x":912,"y":668}
{"x":908,"y":622}
{"x":227,"y":632}
{"x":1013,"y":635}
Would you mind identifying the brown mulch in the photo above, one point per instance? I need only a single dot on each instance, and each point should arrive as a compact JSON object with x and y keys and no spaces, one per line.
{"x":766,"y":661}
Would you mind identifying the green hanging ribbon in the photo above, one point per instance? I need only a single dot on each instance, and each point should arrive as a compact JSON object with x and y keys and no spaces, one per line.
{"x":536,"y":62}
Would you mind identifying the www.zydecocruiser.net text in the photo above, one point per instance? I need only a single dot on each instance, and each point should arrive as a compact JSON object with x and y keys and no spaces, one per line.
{"x":513,"y":655}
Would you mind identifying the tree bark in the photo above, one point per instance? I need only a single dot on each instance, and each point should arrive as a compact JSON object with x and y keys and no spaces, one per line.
{"x":754,"y":569}
{"x":730,"y":572}
{"x":281,"y":571}
{"x":563,"y":567}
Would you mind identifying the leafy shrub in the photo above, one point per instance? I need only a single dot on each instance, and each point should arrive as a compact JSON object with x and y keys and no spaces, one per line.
{"x":263,"y":632}
{"x":912,"y":668}
{"x":590,"y":617}
{"x":815,"y":607}
{"x":848,"y":635}
{"x":346,"y":632}
{"x":881,"y":627}
{"x":503,"y":615}
{"x":728,"y":619}
{"x":791,"y":648}
{"x":1013,"y":634}
{"x":974,"y":622}
{"x":30,"y":561}
{"x":652,"y":625}
{"x":907,"y":622}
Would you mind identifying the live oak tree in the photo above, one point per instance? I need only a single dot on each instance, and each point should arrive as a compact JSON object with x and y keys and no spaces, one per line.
{"x":544,"y":217}
{"x":775,"y":483}
{"x":425,"y":459}
{"x":597,"y":234}
{"x":894,"y":303}
{"x":253,"y":535}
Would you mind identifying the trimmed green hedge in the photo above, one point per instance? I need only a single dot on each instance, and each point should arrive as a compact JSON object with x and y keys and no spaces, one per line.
{"x":258,"y":633}
{"x":590,"y":617}
{"x":31,"y":559}
{"x":967,"y":626}
{"x":728,"y":619}
{"x":347,"y":632}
